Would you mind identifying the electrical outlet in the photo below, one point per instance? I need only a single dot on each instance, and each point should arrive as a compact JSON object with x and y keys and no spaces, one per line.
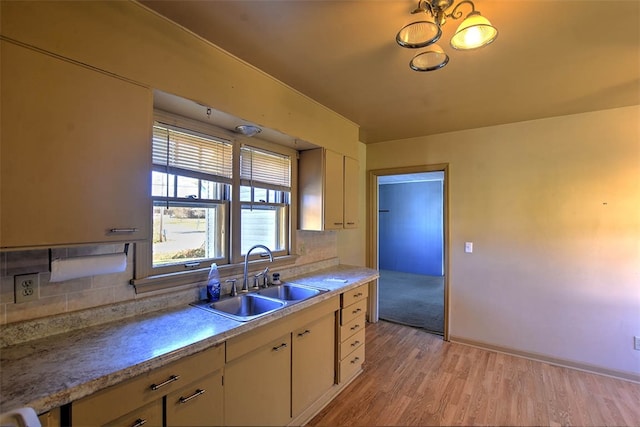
{"x":636,"y":343}
{"x":26,"y":287}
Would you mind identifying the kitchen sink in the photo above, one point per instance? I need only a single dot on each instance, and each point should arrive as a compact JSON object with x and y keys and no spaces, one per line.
{"x":290,"y":292}
{"x":243,"y":307}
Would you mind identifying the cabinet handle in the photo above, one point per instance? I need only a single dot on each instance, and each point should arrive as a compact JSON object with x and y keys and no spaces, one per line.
{"x":139,"y":422}
{"x":123,"y":230}
{"x":337,"y":223}
{"x":355,"y":343}
{"x":301,"y":334}
{"x":356,"y":311}
{"x":193,"y":396}
{"x":354,"y":327}
{"x":171,"y":379}
{"x":351,"y":223}
{"x":355,"y":360}
{"x":358,"y":295}
{"x":281,"y":346}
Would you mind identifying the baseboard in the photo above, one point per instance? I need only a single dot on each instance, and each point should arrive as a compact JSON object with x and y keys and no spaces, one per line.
{"x":621,"y":375}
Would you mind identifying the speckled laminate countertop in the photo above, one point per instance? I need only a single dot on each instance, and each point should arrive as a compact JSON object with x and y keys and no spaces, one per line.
{"x":50,"y":372}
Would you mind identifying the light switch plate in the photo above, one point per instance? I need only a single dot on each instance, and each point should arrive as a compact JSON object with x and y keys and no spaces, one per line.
{"x":468,"y":247}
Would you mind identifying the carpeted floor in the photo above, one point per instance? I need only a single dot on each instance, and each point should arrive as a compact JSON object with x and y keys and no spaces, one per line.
{"x":412,"y":299}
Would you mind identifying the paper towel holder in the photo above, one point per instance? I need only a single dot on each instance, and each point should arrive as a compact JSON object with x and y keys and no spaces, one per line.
{"x":126,"y":253}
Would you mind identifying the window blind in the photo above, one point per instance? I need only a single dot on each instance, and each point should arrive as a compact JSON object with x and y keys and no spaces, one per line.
{"x":187,"y":151}
{"x":265,"y":169}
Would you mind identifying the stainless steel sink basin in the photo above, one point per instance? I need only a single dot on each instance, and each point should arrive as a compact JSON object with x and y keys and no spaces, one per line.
{"x":290,"y":292}
{"x":243,"y":307}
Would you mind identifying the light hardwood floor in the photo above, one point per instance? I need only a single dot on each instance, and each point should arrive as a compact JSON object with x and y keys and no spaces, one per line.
{"x":412,"y":378}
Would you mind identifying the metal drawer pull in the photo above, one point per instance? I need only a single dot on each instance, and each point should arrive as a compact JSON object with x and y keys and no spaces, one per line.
{"x":139,"y":422}
{"x":350,"y":223}
{"x":171,"y":379}
{"x":193,"y":396}
{"x":281,"y":346}
{"x":124,"y":230}
{"x":355,"y":360}
{"x":354,"y":327}
{"x":301,"y":334}
{"x":337,"y":223}
{"x":359,"y":294}
{"x":356,"y":311}
{"x":355,"y":343}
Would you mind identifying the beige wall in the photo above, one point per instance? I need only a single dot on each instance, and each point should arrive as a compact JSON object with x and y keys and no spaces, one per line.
{"x":553,"y":209}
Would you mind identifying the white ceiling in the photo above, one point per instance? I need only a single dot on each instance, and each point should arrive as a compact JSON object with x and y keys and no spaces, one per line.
{"x":551,"y":58}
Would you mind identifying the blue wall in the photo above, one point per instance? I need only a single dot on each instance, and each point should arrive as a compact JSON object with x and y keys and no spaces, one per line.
{"x":411,"y":227}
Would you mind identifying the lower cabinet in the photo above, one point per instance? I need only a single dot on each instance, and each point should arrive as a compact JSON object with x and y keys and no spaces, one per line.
{"x":351,"y":332}
{"x":140,"y":400}
{"x":276,"y":371}
{"x":258,"y":386}
{"x":198,"y":404}
{"x":312,"y":362}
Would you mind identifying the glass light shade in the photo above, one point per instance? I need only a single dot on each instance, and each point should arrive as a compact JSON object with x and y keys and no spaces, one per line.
{"x":474,"y":32}
{"x":432,"y":59}
{"x":418,"y":34}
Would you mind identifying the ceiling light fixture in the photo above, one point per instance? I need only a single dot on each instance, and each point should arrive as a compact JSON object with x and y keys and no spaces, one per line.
{"x":248,"y":130}
{"x":474,"y":32}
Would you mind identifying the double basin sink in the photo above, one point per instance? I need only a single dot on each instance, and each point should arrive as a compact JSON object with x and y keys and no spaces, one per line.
{"x":248,"y":306}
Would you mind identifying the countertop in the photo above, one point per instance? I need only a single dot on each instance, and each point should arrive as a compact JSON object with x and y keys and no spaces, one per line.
{"x":50,"y":372}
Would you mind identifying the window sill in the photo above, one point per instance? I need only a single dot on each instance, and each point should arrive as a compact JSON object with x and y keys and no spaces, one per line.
{"x":173,"y":280}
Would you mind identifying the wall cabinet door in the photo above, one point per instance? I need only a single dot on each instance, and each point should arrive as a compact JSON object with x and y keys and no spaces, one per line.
{"x":75,"y":160}
{"x":328,"y":190}
{"x":333,"y":191}
{"x":351,"y":182}
{"x":257,"y":386}
{"x":198,"y":404}
{"x":313,"y":370}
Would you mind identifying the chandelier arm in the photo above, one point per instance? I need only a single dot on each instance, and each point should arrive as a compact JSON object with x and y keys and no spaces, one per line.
{"x":456,"y":14}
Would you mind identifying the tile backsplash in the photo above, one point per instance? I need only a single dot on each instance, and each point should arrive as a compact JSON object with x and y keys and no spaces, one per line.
{"x":110,"y":291}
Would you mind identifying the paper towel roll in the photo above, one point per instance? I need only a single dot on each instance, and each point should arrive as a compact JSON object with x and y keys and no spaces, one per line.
{"x":73,"y":268}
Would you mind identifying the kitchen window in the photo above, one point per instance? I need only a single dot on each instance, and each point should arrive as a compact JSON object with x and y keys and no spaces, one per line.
{"x":213,"y":198}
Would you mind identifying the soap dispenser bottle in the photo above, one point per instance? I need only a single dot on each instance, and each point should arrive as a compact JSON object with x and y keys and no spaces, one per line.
{"x":213,"y":284}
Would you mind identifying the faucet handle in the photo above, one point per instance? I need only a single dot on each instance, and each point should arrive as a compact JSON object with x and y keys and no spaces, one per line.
{"x":234,"y":291}
{"x":265,"y":275}
{"x":256,"y":281}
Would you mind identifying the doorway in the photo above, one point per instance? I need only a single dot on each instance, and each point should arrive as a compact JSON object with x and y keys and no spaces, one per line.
{"x":409,"y":242}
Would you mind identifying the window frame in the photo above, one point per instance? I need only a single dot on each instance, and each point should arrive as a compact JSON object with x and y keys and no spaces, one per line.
{"x":147,"y":278}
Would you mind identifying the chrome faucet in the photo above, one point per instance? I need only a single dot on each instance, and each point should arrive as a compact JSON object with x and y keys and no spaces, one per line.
{"x":245,"y":284}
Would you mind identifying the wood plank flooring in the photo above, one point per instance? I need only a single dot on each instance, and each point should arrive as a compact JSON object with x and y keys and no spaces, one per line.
{"x":412,"y":378}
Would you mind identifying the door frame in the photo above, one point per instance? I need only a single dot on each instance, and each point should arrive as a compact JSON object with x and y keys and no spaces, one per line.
{"x":372,"y":220}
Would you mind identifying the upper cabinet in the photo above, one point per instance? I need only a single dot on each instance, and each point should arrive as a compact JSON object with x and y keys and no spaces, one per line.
{"x":328,"y":190}
{"x":75,"y":154}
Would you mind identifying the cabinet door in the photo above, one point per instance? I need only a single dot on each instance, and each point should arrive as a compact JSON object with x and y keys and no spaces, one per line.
{"x":313,"y":362}
{"x":333,"y":191}
{"x":257,"y":386}
{"x":198,"y":404}
{"x":351,"y":182}
{"x":75,"y":159}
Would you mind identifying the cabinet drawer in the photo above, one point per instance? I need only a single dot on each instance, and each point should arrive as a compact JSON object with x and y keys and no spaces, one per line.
{"x":104,"y":405}
{"x":351,"y":365}
{"x":149,"y":415}
{"x":353,"y":311}
{"x":352,"y":343}
{"x":355,"y":295}
{"x":351,"y":328}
